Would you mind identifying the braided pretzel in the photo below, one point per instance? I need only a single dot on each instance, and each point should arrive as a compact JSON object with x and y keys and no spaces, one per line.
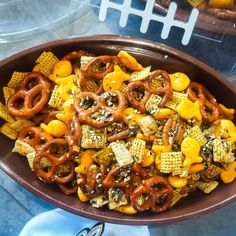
{"x":87,"y":73}
{"x":55,"y":151}
{"x":111,"y":113}
{"x":132,"y":90}
{"x":33,"y":95}
{"x":34,"y":136}
{"x":158,"y":195}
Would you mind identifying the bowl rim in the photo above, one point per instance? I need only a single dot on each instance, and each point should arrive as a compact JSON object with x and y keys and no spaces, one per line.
{"x":133,"y":41}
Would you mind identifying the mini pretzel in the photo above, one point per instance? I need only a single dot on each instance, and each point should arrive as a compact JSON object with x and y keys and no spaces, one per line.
{"x":34,"y":94}
{"x":34,"y":136}
{"x":73,"y":135}
{"x":158,"y":195}
{"x":55,"y":151}
{"x":99,"y":104}
{"x":74,"y":55}
{"x":166,"y":90}
{"x":132,"y":97}
{"x":116,"y":135}
{"x":205,"y":106}
{"x":88,"y":73}
{"x":69,"y":188}
{"x":224,"y":14}
{"x":173,"y":130}
{"x":196,"y":91}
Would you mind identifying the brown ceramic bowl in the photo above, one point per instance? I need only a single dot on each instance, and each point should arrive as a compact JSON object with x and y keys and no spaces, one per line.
{"x":205,"y":21}
{"x":148,"y":53}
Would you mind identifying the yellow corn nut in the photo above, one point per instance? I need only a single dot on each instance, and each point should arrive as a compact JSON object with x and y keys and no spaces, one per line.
{"x":36,"y":68}
{"x":81,"y":195}
{"x":190,"y":148}
{"x":149,"y":138}
{"x":148,"y":158}
{"x":177,"y":182}
{"x":56,"y":128}
{"x":179,"y":81}
{"x":131,"y":117}
{"x":228,"y":175}
{"x":114,"y":80}
{"x":227,"y":113}
{"x":126,"y":209}
{"x":229,"y":4}
{"x":159,"y":149}
{"x":188,"y":110}
{"x":196,"y":168}
{"x":129,"y":61}
{"x":163,"y":113}
{"x":67,"y":88}
{"x":86,"y":161}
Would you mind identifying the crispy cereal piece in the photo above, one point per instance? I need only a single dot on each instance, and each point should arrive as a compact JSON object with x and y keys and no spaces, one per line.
{"x":93,"y":138}
{"x":148,"y":125}
{"x":4,"y":114}
{"x":207,"y":187}
{"x":177,"y":98}
{"x":20,"y":124}
{"x":171,"y":162}
{"x":56,"y":101}
{"x":123,"y":88}
{"x":116,"y":198}
{"x":212,"y":171}
{"x":104,"y":156}
{"x":8,"y":131}
{"x":99,"y":201}
{"x":177,"y":195}
{"x":152,"y":104}
{"x":222,"y":151}
{"x":30,"y":158}
{"x":46,"y":61}
{"x":140,"y":75}
{"x":7,"y":92}
{"x":196,"y":133}
{"x":122,"y":154}
{"x":23,"y":148}
{"x":16,"y":79}
{"x":84,"y":61}
{"x":137,"y":150}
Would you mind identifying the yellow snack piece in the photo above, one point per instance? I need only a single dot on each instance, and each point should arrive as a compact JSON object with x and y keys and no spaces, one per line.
{"x":149,"y":138}
{"x":56,"y":128}
{"x":190,"y":148}
{"x":228,"y":175}
{"x":7,"y":92}
{"x":131,"y":117}
{"x":196,"y":3}
{"x":114,"y":80}
{"x":126,"y":209}
{"x":226,"y":129}
{"x":16,"y":79}
{"x":4,"y":114}
{"x":229,"y":4}
{"x":179,"y":81}
{"x":177,"y":182}
{"x":148,"y":158}
{"x":196,"y":168}
{"x":163,"y":113}
{"x":67,"y":88}
{"x":62,"y":69}
{"x":129,"y":61}
{"x":55,"y":100}
{"x":8,"y":131}
{"x":140,"y":75}
{"x":159,"y":149}
{"x":207,"y":187}
{"x":86,"y":160}
{"x":188,"y":110}
{"x":227,"y":113}
{"x":36,"y":68}
{"x":81,"y":195}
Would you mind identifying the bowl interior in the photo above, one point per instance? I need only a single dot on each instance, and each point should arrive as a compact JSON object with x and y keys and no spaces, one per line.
{"x":147,"y":53}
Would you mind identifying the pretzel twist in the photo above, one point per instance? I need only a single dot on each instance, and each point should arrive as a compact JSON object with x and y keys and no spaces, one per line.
{"x":33,"y":95}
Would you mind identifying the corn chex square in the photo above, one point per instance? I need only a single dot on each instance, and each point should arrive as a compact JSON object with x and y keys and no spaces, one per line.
{"x":55,"y":100}
{"x":152,"y":104}
{"x":93,"y":138}
{"x":207,"y":187}
{"x":104,"y":156}
{"x":222,"y":151}
{"x":84,"y":61}
{"x":4,"y":114}
{"x":140,"y":75}
{"x":177,"y":98}
{"x":137,"y":150}
{"x":116,"y":198}
{"x":196,"y":133}
{"x":16,"y":79}
{"x":47,"y":60}
{"x":8,"y":92}
{"x":20,"y":124}
{"x":122,"y":154}
{"x":23,"y":148}
{"x":8,"y":131}
{"x":171,"y":162}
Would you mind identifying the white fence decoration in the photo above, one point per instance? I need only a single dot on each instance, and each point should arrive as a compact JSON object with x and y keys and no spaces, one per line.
{"x":147,"y":15}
